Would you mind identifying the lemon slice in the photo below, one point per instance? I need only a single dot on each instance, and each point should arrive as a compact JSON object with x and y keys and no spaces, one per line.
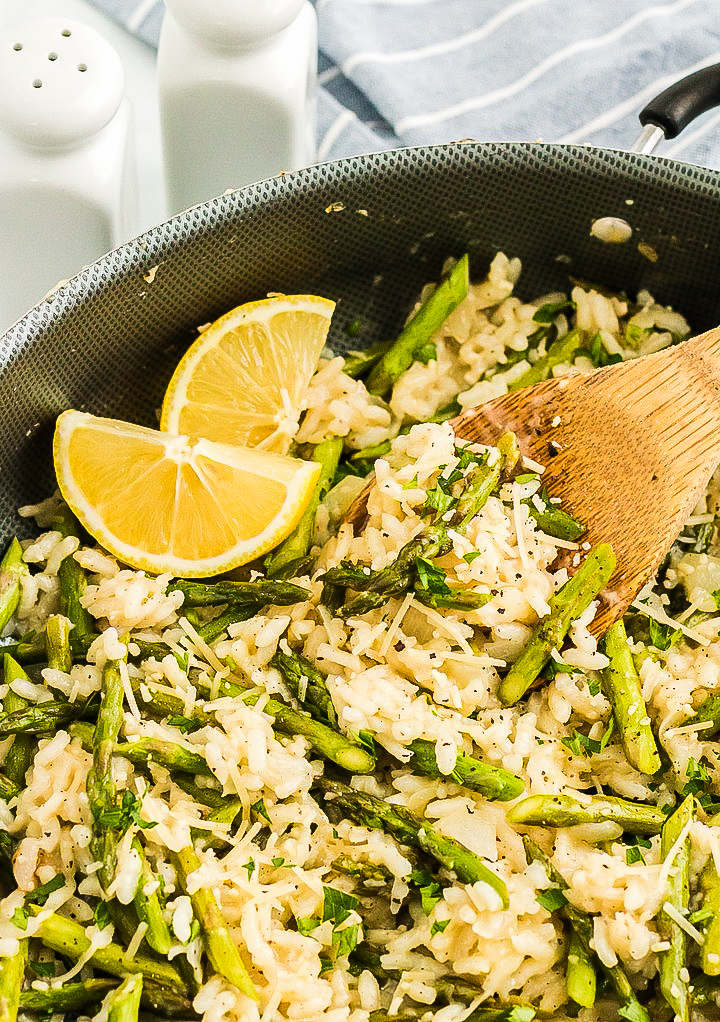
{"x":245,"y":378}
{"x":165,"y":503}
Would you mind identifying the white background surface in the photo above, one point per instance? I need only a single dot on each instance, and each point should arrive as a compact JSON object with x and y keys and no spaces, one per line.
{"x":139,"y":64}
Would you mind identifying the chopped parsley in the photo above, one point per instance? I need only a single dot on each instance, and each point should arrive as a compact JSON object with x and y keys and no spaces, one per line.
{"x":439,"y":926}
{"x":260,"y":809}
{"x":186,"y":725}
{"x":552,"y":899}
{"x":122,"y":816}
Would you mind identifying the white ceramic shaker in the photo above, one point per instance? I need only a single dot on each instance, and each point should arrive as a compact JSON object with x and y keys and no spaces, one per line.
{"x":236,"y":82}
{"x":67,"y":186}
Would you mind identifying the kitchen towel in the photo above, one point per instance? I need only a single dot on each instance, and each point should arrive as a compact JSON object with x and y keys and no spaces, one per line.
{"x":410,"y":72}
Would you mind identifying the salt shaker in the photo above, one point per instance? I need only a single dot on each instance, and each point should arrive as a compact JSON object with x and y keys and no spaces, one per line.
{"x":67,"y":191}
{"x":236,"y":81}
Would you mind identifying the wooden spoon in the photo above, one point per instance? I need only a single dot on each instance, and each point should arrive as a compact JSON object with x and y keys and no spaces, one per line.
{"x":629,"y":449}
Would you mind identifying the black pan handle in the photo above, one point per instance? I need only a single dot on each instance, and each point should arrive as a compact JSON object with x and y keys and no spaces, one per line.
{"x":677,"y":106}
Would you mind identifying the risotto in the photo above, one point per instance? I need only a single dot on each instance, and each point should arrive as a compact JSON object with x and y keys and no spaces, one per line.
{"x":375,"y":785}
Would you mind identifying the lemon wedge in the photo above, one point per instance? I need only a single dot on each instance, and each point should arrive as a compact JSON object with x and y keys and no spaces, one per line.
{"x":245,"y":379}
{"x":167,"y":503}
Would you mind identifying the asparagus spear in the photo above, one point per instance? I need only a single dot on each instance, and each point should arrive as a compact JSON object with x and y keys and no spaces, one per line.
{"x":359,"y":363}
{"x":564,"y":811}
{"x":19,"y":756}
{"x":69,"y":997}
{"x":232,"y":616}
{"x":549,"y":634}
{"x":165,"y":754}
{"x":580,"y":975}
{"x":553,"y":521}
{"x":148,"y":907}
{"x":123,"y":1003}
{"x":213,"y":798}
{"x":8,"y":789}
{"x":582,"y":923}
{"x":492,"y":782}
{"x":256,"y":594}
{"x":369,"y":874}
{"x":673,"y":962}
{"x":623,"y":688}
{"x":708,"y":712}
{"x":41,"y":718}
{"x":326,"y":743}
{"x":72,"y":997}
{"x":57,"y":643}
{"x":12,"y":972}
{"x":410,"y":829}
{"x":72,"y":581}
{"x":12,"y":572}
{"x":420,"y":329}
{"x":306,"y":683}
{"x":284,"y":561}
{"x":220,"y":947}
{"x":710,"y":952}
{"x":101,"y":791}
{"x":69,"y":939}
{"x":560,"y":351}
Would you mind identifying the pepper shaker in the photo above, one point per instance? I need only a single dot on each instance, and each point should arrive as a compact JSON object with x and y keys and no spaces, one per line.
{"x":67,"y":190}
{"x":236,"y":82}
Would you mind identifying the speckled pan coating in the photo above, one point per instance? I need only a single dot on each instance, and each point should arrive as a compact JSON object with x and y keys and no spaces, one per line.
{"x":367,"y":232}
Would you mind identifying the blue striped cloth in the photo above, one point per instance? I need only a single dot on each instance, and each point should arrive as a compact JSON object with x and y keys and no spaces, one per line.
{"x":408,"y":72}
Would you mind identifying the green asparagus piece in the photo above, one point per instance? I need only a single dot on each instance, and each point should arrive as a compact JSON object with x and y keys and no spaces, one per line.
{"x":564,"y":811}
{"x":623,"y":688}
{"x":68,"y":938}
{"x":234,"y":614}
{"x":560,"y":351}
{"x":566,"y":605}
{"x":19,"y":757}
{"x":582,"y":924}
{"x":410,"y":829}
{"x":359,"y":363}
{"x":101,"y":791}
{"x":220,"y":947}
{"x":708,"y":712}
{"x":72,"y":582}
{"x":213,"y":798}
{"x":369,"y":874}
{"x":12,"y":972}
{"x":491,"y":782}
{"x":580,"y":975}
{"x":8,"y":788}
{"x":328,"y":744}
{"x":553,"y":521}
{"x":148,"y":907}
{"x":57,"y":643}
{"x":285,"y":559}
{"x":710,"y":886}
{"x":240,"y":594}
{"x":306,"y":683}
{"x":165,"y":754}
{"x":12,"y":571}
{"x":41,"y":718}
{"x":123,"y":1004}
{"x":420,"y":329}
{"x":83,"y":732}
{"x":674,"y":961}
{"x":70,"y":997}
